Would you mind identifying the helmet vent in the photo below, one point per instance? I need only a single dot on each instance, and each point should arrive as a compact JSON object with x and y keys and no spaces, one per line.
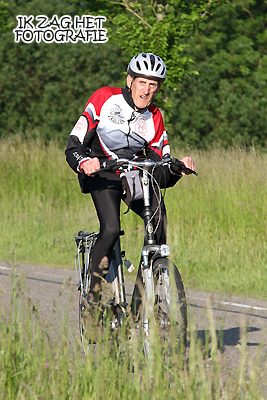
{"x":152,"y":60}
{"x":146,"y":64}
{"x":163,"y":71}
{"x":138,"y":65}
{"x":158,"y":67}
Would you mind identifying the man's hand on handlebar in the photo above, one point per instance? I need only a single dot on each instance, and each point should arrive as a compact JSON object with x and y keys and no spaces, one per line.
{"x":90,"y":166}
{"x":189,"y":163}
{"x":185,"y":166}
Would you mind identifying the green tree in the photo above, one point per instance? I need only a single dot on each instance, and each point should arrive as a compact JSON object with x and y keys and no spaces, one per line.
{"x":227,"y":102}
{"x":155,"y":26}
{"x":44,"y":87}
{"x":162,"y":28}
{"x":4,"y":16}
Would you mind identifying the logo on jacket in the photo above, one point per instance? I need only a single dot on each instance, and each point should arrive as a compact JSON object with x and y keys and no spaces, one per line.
{"x":140,"y":127}
{"x":81,"y":124}
{"x":116,"y":115}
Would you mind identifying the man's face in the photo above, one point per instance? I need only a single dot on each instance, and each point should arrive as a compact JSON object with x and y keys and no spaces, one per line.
{"x":142,"y":90}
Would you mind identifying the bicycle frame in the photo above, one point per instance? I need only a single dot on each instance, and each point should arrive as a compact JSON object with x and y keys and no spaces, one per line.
{"x":115,"y":274}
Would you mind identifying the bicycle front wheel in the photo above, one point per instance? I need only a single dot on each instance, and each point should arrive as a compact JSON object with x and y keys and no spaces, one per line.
{"x":170,"y":303}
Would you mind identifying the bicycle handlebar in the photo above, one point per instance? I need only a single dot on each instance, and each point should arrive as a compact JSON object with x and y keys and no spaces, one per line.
{"x":146,"y":164}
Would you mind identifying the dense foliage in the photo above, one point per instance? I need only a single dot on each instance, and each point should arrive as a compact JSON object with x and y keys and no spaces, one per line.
{"x":45,"y":86}
{"x":4,"y":17}
{"x":160,"y":27}
{"x":227,"y":101}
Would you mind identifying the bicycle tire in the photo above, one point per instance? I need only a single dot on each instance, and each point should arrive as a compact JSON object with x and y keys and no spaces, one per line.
{"x":91,"y":325}
{"x":170,"y":311}
{"x":83,"y":311}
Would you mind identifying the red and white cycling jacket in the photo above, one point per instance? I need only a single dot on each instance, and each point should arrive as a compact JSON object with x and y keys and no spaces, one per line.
{"x":111,"y":128}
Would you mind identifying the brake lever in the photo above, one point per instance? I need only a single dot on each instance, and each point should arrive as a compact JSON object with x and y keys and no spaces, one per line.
{"x":192,"y":172}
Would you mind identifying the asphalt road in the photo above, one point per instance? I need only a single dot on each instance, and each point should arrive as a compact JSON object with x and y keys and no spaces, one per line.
{"x":55,"y":292}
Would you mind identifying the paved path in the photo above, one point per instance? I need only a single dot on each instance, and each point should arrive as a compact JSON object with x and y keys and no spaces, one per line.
{"x":56,"y":292}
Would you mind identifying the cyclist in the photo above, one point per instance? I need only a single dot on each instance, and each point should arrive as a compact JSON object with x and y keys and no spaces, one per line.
{"x":121,"y":123}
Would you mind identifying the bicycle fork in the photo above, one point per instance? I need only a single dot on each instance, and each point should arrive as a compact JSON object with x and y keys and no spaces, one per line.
{"x":150,"y":246}
{"x":150,"y":252}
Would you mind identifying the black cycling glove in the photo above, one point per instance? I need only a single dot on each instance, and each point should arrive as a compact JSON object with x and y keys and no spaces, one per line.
{"x":177,"y":166}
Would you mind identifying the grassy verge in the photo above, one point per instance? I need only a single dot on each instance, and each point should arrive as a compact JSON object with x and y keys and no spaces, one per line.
{"x":217,"y":221}
{"x":35,"y":367}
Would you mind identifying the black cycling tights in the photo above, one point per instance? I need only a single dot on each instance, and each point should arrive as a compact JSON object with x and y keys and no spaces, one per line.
{"x":106,"y":191}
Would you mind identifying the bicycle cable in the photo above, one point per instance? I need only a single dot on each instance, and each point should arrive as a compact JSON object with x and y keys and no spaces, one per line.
{"x":155,"y":187}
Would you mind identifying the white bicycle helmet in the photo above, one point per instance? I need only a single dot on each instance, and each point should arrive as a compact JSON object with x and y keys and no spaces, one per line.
{"x":147,"y":65}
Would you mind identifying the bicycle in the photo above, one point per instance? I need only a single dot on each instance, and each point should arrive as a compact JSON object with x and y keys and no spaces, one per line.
{"x":163,"y":299}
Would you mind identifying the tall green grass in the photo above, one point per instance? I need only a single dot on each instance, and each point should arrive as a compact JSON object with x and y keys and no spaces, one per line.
{"x":41,"y":206}
{"x":36,"y":365}
{"x":217,"y":221}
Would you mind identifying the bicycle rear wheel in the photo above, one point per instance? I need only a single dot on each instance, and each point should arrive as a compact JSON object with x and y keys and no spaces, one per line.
{"x":170,"y":303}
{"x":84,"y":311}
{"x":83,"y":317}
{"x":95,"y":320}
{"x":85,"y":243}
